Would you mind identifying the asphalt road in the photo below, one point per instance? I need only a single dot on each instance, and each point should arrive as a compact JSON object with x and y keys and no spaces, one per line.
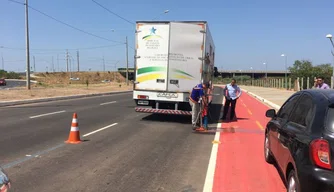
{"x":13,"y":84}
{"x":133,"y":152}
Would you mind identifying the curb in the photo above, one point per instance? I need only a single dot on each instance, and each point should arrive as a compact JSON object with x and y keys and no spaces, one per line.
{"x":29,"y":101}
{"x":271,"y":104}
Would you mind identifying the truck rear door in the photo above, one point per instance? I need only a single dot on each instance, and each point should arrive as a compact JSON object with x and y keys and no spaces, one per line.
{"x":185,"y":51}
{"x":152,"y":56}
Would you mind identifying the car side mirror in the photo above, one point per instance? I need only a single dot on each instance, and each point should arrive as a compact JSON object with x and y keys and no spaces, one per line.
{"x":271,"y":113}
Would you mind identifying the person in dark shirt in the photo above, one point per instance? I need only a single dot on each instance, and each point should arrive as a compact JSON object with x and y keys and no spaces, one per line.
{"x":197,"y":93}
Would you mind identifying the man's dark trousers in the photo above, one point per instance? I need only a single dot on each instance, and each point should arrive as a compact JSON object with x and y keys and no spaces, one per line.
{"x":226,"y":106}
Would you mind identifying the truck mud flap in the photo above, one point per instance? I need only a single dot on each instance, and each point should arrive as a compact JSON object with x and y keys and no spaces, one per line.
{"x":162,"y":111}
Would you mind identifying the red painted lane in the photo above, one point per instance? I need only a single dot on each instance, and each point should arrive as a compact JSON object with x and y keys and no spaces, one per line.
{"x":240,"y":162}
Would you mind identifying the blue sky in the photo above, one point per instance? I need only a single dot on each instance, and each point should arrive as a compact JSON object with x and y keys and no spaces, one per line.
{"x":246,"y":33}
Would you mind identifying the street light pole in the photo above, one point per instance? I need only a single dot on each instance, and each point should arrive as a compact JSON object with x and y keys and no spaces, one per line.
{"x":252,"y":76}
{"x":329,"y":36}
{"x":27,"y":46}
{"x":3,"y":62}
{"x":286,"y":70}
{"x":127,"y":61}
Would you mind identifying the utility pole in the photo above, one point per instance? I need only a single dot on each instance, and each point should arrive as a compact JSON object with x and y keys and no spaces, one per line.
{"x":70,"y":69}
{"x":3,"y":62}
{"x":78,"y":60}
{"x":57,"y":62}
{"x":66,"y":60}
{"x":104,"y":66}
{"x":34,"y":64}
{"x":27,"y":46}
{"x":127,"y":61}
{"x":53,"y":66}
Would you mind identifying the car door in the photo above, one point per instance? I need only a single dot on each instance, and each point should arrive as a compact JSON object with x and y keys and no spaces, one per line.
{"x":292,"y":137}
{"x":279,"y":121}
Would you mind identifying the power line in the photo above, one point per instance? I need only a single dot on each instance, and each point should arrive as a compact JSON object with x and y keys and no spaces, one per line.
{"x":85,"y":48}
{"x":113,"y":13}
{"x":17,"y":2}
{"x":71,"y":26}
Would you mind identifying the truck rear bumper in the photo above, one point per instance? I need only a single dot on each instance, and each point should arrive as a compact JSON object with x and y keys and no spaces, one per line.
{"x":162,"y":111}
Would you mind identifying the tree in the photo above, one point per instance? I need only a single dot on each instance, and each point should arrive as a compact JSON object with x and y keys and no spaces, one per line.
{"x":324,"y":70}
{"x":303,"y":68}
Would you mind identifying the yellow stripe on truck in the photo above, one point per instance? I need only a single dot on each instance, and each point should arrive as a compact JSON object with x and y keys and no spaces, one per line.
{"x":150,"y":77}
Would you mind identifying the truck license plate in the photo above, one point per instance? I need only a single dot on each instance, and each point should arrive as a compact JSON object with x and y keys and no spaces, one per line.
{"x":168,"y":95}
{"x":142,"y":102}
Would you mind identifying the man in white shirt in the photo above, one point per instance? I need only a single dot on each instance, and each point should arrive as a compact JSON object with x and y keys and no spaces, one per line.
{"x":231,"y":92}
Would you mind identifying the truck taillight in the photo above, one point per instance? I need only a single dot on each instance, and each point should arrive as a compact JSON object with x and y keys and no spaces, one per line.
{"x":320,"y":152}
{"x":142,"y":97}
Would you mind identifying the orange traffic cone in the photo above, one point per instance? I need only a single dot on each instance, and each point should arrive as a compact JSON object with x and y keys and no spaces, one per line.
{"x":74,"y":136}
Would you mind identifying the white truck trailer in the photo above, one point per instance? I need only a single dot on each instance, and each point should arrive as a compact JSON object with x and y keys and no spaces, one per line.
{"x":171,"y":57}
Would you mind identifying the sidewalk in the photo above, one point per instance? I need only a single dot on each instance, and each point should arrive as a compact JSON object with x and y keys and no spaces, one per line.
{"x":271,"y":96}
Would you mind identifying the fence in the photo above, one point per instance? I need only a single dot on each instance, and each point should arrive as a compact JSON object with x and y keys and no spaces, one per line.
{"x":295,"y":84}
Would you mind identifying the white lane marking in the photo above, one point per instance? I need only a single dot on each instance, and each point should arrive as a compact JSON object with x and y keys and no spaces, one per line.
{"x":32,"y":117}
{"x":209,"y":179}
{"x":103,"y":128}
{"x":210,"y":173}
{"x":108,"y":103}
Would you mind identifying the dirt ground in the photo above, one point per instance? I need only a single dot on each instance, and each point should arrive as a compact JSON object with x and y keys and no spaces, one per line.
{"x":59,"y":84}
{"x":43,"y":92}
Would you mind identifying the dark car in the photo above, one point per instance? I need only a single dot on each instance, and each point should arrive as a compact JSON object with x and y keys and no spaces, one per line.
{"x":3,"y":82}
{"x":300,"y":140}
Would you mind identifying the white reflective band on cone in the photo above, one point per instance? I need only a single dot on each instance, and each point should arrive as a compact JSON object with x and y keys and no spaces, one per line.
{"x":74,"y":128}
{"x":74,"y":121}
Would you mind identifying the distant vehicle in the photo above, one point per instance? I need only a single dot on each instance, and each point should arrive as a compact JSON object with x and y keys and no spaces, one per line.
{"x":4,"y":181}
{"x":300,"y":140}
{"x":171,"y":58}
{"x":3,"y":82}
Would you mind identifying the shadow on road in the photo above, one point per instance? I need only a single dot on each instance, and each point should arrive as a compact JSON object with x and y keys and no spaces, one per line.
{"x":188,"y":188}
{"x":213,"y":116}
{"x":168,"y":118}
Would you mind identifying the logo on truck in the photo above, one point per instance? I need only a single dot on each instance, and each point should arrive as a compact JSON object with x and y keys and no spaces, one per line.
{"x":152,"y":34}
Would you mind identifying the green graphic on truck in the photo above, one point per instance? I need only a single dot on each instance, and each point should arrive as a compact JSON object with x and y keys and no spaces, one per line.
{"x":152,"y":73}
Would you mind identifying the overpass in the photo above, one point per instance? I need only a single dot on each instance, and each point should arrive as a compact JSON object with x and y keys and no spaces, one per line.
{"x":223,"y":73}
{"x":252,"y":73}
{"x":229,"y":73}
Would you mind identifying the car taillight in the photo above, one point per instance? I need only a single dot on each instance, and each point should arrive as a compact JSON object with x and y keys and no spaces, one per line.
{"x":320,"y":152}
{"x":142,"y":97}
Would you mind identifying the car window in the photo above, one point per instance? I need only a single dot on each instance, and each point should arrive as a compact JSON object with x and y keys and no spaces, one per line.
{"x":287,"y":107}
{"x":330,"y":119}
{"x":302,"y":113}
